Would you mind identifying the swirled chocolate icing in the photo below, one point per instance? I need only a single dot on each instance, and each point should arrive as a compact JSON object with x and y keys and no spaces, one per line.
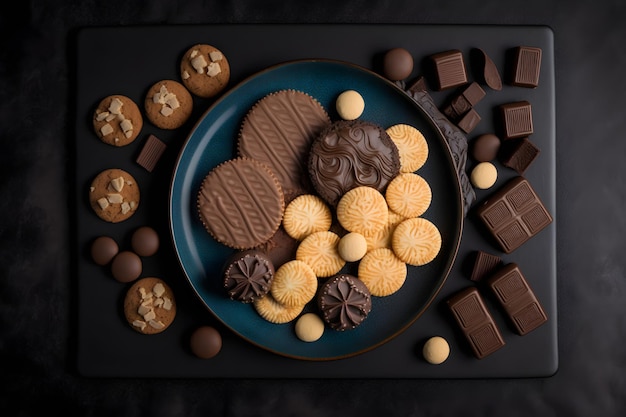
{"x":350,"y":154}
{"x":344,"y":301}
{"x":248,"y":275}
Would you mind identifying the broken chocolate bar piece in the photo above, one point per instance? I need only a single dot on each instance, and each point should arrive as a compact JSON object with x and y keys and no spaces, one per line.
{"x":518,"y":154}
{"x":514,"y":214}
{"x":151,"y":152}
{"x":517,"y":119}
{"x":484,"y":265}
{"x":475,"y":321}
{"x":464,"y":101}
{"x":469,"y":121}
{"x":517,"y":299}
{"x":526,"y":67}
{"x":449,"y":69}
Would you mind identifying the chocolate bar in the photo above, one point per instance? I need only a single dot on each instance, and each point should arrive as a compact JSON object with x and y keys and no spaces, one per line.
{"x":484,"y":264}
{"x":517,"y":299}
{"x":517,"y":119}
{"x":449,"y":69}
{"x":526,"y":67}
{"x":514,"y":214}
{"x":475,"y":321}
{"x":518,"y":154}
{"x":151,"y":152}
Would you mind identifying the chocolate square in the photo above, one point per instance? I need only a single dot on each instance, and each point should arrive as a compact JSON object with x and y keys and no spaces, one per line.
{"x":517,"y":119}
{"x":469,"y":121}
{"x":526,"y":67}
{"x":151,"y":152}
{"x":449,"y":69}
{"x":514,"y":214}
{"x":518,"y":154}
{"x":517,"y":299}
{"x":475,"y":321}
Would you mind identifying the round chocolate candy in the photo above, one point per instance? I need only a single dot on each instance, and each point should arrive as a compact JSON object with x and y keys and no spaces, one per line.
{"x":485,"y":147}
{"x":126,"y":266}
{"x":145,"y":241}
{"x":397,"y":64}
{"x":103,"y":250}
{"x":205,"y":342}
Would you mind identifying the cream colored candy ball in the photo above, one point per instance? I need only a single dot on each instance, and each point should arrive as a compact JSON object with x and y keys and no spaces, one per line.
{"x":352,"y":247}
{"x":484,"y":175}
{"x":436,"y":350}
{"x":309,"y":327}
{"x":350,"y":105}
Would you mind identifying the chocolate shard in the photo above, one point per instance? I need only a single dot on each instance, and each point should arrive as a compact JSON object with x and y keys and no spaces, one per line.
{"x":518,"y":154}
{"x":526,"y":67}
{"x":484,"y":265}
{"x":517,"y":299}
{"x":517,"y":119}
{"x":490,"y":73}
{"x":514,"y":214}
{"x":475,"y":321}
{"x":151,"y":152}
{"x":449,"y":69}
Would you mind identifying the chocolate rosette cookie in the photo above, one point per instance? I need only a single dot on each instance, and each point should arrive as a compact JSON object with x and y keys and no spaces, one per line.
{"x":344,"y":301}
{"x":248,"y":275}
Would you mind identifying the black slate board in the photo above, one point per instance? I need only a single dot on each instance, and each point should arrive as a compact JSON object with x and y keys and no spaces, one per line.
{"x":127,"y":60}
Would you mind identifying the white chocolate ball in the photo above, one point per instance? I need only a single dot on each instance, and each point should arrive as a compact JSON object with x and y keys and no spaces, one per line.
{"x":436,"y":350}
{"x":352,"y":247}
{"x":309,"y":327}
{"x":350,"y":105}
{"x":484,"y":175}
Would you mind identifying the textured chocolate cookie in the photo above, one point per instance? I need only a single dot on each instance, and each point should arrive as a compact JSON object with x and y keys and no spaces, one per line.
{"x":114,"y":195}
{"x":168,"y":104}
{"x":350,"y":154}
{"x":278,"y":131}
{"x":204,"y":70}
{"x":117,"y":120}
{"x":344,"y":301}
{"x":248,"y":275}
{"x":240,"y":203}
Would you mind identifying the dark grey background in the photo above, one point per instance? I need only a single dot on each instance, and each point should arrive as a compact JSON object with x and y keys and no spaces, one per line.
{"x":36,"y":339}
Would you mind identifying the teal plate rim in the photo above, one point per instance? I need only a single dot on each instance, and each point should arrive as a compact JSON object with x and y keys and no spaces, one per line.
{"x":213,"y":141}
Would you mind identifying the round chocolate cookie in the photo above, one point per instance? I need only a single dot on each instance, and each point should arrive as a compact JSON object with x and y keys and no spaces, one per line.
{"x":149,"y":306}
{"x":278,"y":131}
{"x":168,"y":104}
{"x":117,"y":120}
{"x":248,"y":275}
{"x":204,"y":70}
{"x":350,"y":154}
{"x":344,"y":301}
{"x":114,"y":195}
{"x":241,"y":203}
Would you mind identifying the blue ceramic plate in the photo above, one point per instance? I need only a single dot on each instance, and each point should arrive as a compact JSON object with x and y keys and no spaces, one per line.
{"x":213,"y":140}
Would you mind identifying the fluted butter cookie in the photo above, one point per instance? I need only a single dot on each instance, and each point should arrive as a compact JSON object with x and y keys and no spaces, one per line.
{"x":168,"y":104}
{"x":362,"y":210}
{"x":409,"y":195}
{"x":117,"y":120}
{"x":319,"y":250}
{"x":306,"y":214}
{"x":416,"y":241}
{"x":294,"y":284}
{"x":204,"y":70}
{"x":411,"y":144}
{"x":114,"y":195}
{"x":382,"y":238}
{"x":382,"y":272}
{"x":275,"y":312}
{"x":150,"y":306}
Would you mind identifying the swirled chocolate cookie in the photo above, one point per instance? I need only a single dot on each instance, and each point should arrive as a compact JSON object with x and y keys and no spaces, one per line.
{"x":344,"y":301}
{"x":350,"y":154}
{"x":248,"y":275}
{"x":278,"y":131}
{"x":241,"y":203}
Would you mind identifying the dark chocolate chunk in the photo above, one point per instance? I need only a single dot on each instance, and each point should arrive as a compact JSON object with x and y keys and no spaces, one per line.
{"x":517,"y":299}
{"x":449,"y":69}
{"x":518,"y":154}
{"x":517,"y":119}
{"x":514,"y":214}
{"x":485,"y":147}
{"x":526,"y":67}
{"x":484,"y":265}
{"x":475,"y":321}
{"x":463,"y":102}
{"x":490,"y":72}
{"x":469,"y":121}
{"x":151,"y":152}
{"x":397,"y":64}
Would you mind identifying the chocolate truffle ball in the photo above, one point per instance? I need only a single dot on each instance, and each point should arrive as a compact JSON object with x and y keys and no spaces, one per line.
{"x":397,"y":64}
{"x":126,"y":266}
{"x":103,"y":249}
{"x":205,"y":342}
{"x":145,"y":241}
{"x":485,"y":147}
